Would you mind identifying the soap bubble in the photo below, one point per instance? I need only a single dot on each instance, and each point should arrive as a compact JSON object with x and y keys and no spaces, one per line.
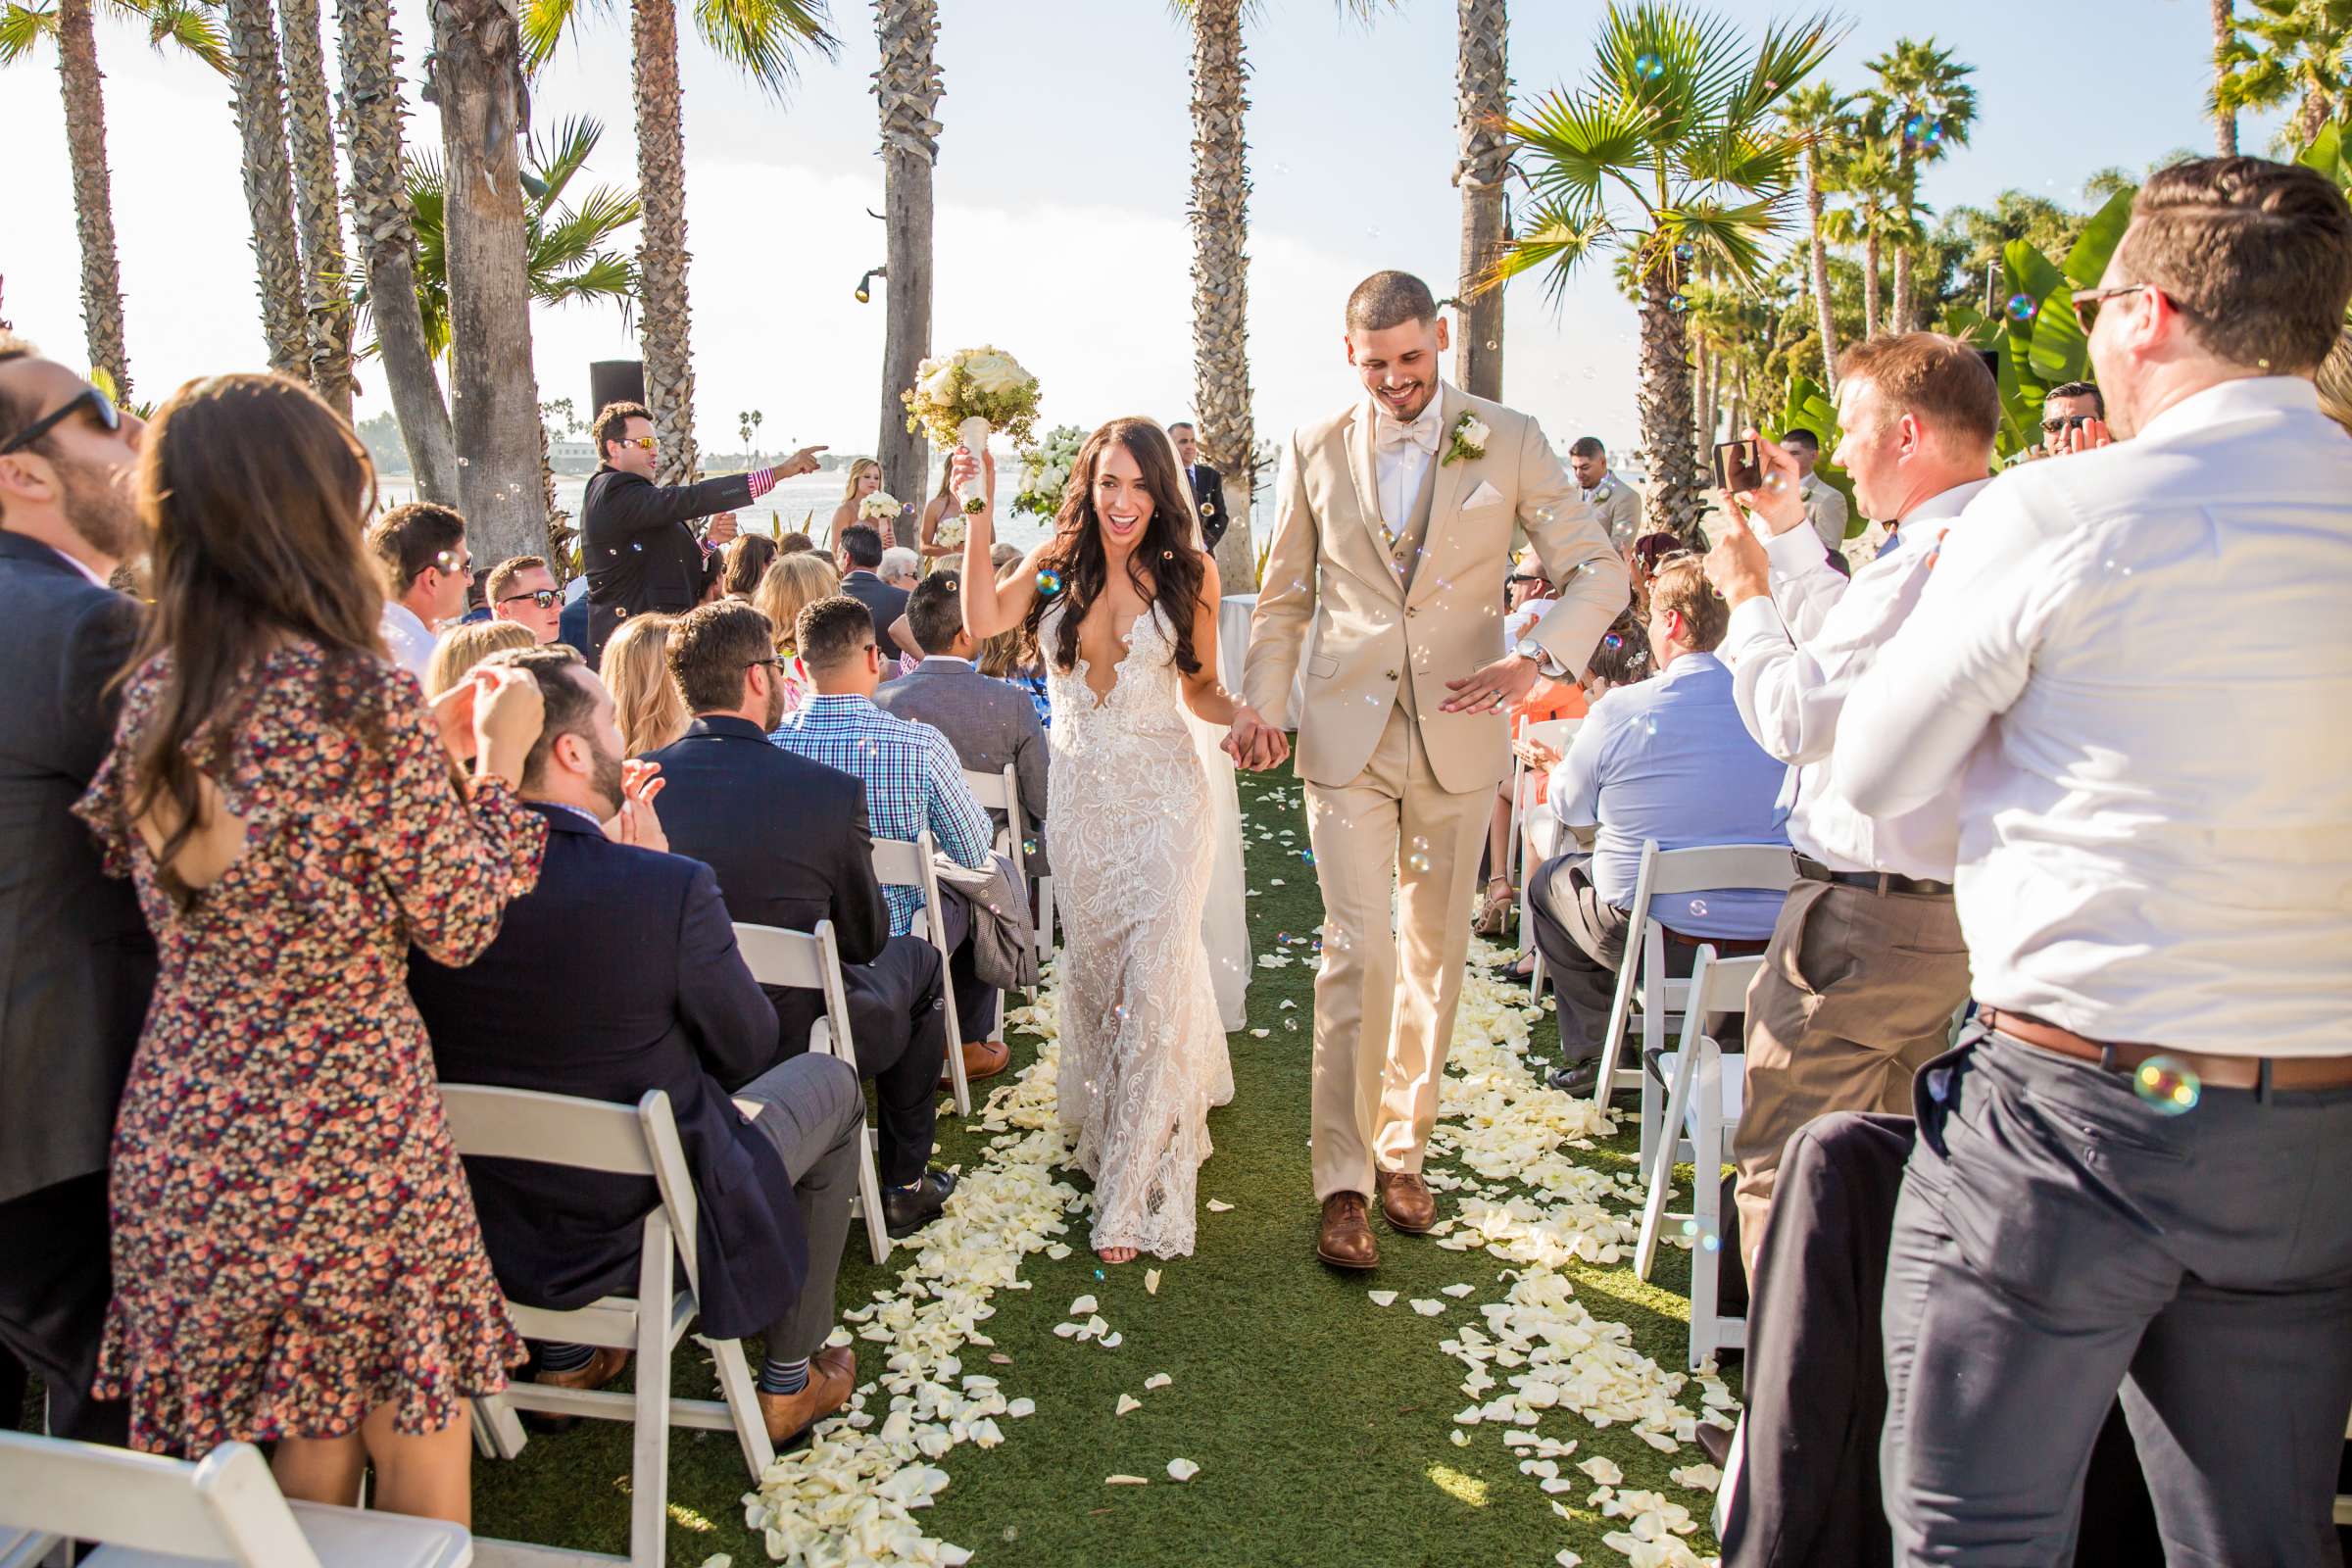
{"x":1048,"y":583}
{"x":1650,"y":67}
{"x":1683,"y":253}
{"x":1612,"y":642}
{"x":2167,"y":1084}
{"x":1676,"y":303}
{"x":2022,"y":306}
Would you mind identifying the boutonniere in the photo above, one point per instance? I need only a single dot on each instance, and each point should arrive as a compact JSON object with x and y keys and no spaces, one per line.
{"x":1469,"y":440}
{"x":1602,"y":496}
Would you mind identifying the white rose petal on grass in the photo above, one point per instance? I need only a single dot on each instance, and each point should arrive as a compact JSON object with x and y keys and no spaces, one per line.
{"x":1084,"y":1307}
{"x":1127,"y":1402}
{"x":1697,"y":1477}
{"x":1150,"y":1282}
{"x":1112,"y":1340}
{"x":1215,"y":1206}
{"x":1382,"y":1297}
{"x":1461,"y":1438}
{"x":1021,"y":1407}
{"x":1458,"y":1291}
{"x":1062,"y":1331}
{"x":1426,"y":1307}
{"x":1125,"y":1480}
{"x":1602,"y":1469}
{"x":1157,"y":1380}
{"x":1566,"y":1559}
{"x":1182,"y":1469}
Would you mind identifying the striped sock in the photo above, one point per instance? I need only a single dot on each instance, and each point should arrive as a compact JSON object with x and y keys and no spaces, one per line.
{"x":555,"y":1357}
{"x":784,"y":1377}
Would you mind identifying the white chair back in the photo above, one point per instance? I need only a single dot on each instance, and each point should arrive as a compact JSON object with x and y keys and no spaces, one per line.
{"x":1555,"y":733}
{"x":224,"y":1507}
{"x":903,"y":862}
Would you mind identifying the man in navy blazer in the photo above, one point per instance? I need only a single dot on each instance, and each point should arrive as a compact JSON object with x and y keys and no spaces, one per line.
{"x":790,"y":842}
{"x":75,"y":960}
{"x":860,"y":578}
{"x":615,"y":974}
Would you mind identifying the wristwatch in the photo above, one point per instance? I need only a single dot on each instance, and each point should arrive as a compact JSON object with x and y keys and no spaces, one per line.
{"x":1528,"y":649}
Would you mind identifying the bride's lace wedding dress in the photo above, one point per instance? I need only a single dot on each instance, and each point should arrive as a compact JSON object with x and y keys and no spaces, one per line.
{"x":1135,"y":831}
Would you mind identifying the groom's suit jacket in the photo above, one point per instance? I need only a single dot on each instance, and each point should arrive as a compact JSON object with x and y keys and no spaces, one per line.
{"x":1329,"y":565}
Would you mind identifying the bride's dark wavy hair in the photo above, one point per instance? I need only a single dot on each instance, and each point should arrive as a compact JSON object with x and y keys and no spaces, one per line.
{"x":1164,"y":568}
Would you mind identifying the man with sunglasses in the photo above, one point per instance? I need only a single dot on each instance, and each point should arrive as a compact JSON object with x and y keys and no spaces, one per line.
{"x":637,"y":538}
{"x":521,"y":589}
{"x":2073,"y":419}
{"x":75,"y":960}
{"x":428,"y":575}
{"x":2129,"y":677}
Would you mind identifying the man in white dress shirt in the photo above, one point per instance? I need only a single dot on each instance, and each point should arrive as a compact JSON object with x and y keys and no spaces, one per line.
{"x":422,"y":549}
{"x":1866,"y":966}
{"x":2131,"y":676}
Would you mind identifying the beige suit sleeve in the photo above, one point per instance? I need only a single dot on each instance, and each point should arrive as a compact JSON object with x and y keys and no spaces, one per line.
{"x":1286,"y":599}
{"x":1573,"y":544}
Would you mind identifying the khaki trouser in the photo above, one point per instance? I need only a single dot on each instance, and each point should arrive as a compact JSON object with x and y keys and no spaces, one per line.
{"x":1381,"y":1027}
{"x":1856,"y":994}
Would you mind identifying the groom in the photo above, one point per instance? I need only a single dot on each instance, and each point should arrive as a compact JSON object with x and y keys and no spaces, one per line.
{"x":1392,"y":535}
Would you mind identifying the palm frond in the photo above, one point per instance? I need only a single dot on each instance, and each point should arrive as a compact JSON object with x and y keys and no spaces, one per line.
{"x":1579,"y":143}
{"x":1555,"y":235}
{"x":1791,"y":52}
{"x":550,"y":165}
{"x":22,"y":27}
{"x":762,"y":38}
{"x":1732,"y":239}
{"x":1671,"y":66}
{"x":567,"y":236}
{"x":545,"y":22}
{"x":191,"y":25}
{"x":608,"y":277}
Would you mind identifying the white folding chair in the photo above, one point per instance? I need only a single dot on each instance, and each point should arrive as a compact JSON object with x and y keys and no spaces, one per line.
{"x":810,"y":960}
{"x":1642,"y":978}
{"x":223,"y":1509}
{"x":1555,"y":733}
{"x":1709,"y":1085}
{"x":640,"y":1140}
{"x":1002,"y":792}
{"x":898,"y":862}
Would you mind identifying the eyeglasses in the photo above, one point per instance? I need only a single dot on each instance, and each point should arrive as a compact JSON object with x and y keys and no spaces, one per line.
{"x":544,"y":598}
{"x":101,"y":406}
{"x":453,"y":562}
{"x":644,"y":442}
{"x":2070,"y":421}
{"x":772,"y":664}
{"x":2086,"y":301}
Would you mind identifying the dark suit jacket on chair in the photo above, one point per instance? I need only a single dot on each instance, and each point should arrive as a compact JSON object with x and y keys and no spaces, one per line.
{"x":1208,"y":497}
{"x":616,"y":974}
{"x":77,"y":964}
{"x":640,"y":550}
{"x":887,"y":603}
{"x":991,"y":723}
{"x":788,"y":839}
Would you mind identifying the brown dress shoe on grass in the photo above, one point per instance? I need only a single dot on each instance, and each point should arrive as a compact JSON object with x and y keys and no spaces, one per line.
{"x":982,"y":1059}
{"x":1405,"y":1199}
{"x":605,"y":1365}
{"x":832,"y":1379}
{"x":1346,"y":1238}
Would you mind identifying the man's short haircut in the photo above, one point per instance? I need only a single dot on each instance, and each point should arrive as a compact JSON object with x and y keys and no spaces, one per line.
{"x":833,"y":631}
{"x":1389,"y":298}
{"x":2257,"y":254}
{"x":1588,"y":446}
{"x":1796,"y":435}
{"x":501,"y":581}
{"x":935,"y":611}
{"x":15,"y":412}
{"x":567,"y":703}
{"x":712,"y":646}
{"x":862,"y":546}
{"x":794,"y":542}
{"x":2078,"y":389}
{"x":1681,"y":586}
{"x":1180,"y":424}
{"x":410,"y":538}
{"x":612,"y":423}
{"x":1938,"y":379}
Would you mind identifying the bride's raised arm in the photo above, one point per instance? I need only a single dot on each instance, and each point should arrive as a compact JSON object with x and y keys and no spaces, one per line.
{"x":990,"y":605}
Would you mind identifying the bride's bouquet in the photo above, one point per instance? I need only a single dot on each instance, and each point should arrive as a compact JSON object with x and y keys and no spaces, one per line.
{"x":880,"y":507}
{"x":962,"y":398}
{"x":1045,"y":471}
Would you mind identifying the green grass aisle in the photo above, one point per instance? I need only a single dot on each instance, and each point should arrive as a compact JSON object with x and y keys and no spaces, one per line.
{"x":1323,"y":1425}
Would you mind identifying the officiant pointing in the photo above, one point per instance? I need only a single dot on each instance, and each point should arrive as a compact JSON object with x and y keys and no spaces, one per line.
{"x":637,"y":538}
{"x":1392,"y":536}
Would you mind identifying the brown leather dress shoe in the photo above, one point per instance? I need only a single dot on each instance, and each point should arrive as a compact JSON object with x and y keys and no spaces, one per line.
{"x":602,"y":1368}
{"x":1406,"y":1200}
{"x":1346,"y":1238}
{"x":982,"y":1059}
{"x":832,"y":1379}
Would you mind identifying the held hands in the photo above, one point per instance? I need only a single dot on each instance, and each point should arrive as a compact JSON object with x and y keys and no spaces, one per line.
{"x":636,"y":822}
{"x":1493,"y":686}
{"x":1254,"y":743}
{"x":507,"y":715}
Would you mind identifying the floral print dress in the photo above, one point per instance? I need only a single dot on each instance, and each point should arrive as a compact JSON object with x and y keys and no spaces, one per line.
{"x":294,"y":1242}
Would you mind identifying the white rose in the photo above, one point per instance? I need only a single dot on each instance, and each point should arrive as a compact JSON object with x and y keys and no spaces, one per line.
{"x":937,"y":383}
{"x":1474,"y":434}
{"x":995,"y":374}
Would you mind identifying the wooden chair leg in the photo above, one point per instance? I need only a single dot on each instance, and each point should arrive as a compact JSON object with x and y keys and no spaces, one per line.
{"x":869,"y":1190}
{"x":735,"y":1386}
{"x":1661,"y":1177}
{"x":649,"y":1451}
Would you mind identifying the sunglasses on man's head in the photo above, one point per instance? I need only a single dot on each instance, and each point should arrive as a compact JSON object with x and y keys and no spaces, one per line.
{"x":544,"y":598}
{"x":102,"y":408}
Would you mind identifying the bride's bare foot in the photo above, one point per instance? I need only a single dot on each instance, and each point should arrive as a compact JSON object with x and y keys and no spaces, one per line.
{"x":1117,"y":1255}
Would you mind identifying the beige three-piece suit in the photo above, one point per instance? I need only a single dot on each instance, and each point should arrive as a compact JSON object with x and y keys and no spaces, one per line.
{"x":1398,"y":793}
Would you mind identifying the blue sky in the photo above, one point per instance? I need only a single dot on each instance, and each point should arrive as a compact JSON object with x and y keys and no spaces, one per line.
{"x":1061,"y":189}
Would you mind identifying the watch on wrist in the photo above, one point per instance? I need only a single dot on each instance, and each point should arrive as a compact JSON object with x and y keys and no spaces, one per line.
{"x":1528,"y":649}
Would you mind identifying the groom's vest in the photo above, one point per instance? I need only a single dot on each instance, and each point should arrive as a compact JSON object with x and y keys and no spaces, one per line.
{"x":1407,"y":553}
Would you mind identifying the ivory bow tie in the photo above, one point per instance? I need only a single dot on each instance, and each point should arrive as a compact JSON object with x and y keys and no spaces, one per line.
{"x":1395,"y":435}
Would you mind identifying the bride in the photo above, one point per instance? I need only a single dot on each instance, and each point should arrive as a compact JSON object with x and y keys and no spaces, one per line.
{"x":1122,"y":603}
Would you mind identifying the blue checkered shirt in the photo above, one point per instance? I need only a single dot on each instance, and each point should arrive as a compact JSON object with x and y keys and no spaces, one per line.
{"x":914,"y":781}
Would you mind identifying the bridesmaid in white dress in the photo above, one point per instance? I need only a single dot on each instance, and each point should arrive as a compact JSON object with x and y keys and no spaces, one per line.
{"x":1123,"y":604}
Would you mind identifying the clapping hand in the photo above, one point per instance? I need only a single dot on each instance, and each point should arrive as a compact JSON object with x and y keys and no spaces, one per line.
{"x":637,"y":822}
{"x":1534,"y":753}
{"x":2087,"y":436}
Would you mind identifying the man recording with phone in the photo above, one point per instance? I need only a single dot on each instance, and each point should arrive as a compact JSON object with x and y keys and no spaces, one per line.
{"x":2073,"y":419}
{"x":1866,"y":965}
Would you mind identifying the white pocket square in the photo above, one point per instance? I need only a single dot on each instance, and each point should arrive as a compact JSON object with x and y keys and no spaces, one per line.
{"x":1485,"y":495}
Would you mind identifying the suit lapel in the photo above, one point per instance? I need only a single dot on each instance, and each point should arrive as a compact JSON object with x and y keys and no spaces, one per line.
{"x":1364,"y":465}
{"x":1445,"y":502}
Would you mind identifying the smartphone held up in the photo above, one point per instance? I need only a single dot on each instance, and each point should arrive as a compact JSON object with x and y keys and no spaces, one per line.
{"x":1739,"y":465}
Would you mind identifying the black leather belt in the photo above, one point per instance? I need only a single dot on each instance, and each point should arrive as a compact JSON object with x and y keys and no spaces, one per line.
{"x":1876,"y":881}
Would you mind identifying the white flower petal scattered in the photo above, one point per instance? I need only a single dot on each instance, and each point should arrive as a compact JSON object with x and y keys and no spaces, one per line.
{"x":1697,"y":1477}
{"x":1216,"y":1206}
{"x":1157,"y":1380}
{"x":1084,"y":1307}
{"x":1182,"y":1469}
{"x":1127,"y":1402}
{"x":1458,"y":1291}
{"x":1602,"y":1469}
{"x":1125,"y":1480}
{"x":1426,"y":1307}
{"x":1382,"y":1297}
{"x":1150,"y":1282}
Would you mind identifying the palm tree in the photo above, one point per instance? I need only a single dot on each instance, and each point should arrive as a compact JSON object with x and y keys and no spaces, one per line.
{"x":1483,"y":85}
{"x":69,"y":22}
{"x":383,"y":225}
{"x":760,"y":38}
{"x":1818,"y":115}
{"x":318,"y":205}
{"x":2289,"y":51}
{"x":906,"y":89}
{"x":261,"y":107}
{"x":1867,"y":174}
{"x":1672,"y":154}
{"x":2225,"y":118}
{"x":1931,"y":108}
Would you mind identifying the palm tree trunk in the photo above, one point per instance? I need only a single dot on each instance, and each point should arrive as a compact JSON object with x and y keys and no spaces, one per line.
{"x":1870,"y":284}
{"x":93,"y":192}
{"x":326,"y":272}
{"x":1820,"y":272}
{"x":1221,"y":270}
{"x":477,"y":82}
{"x":906,"y":89}
{"x":2224,"y":120}
{"x":260,"y":95}
{"x":1900,"y":311}
{"x":1703,"y":395}
{"x":1676,"y":499}
{"x":663,"y":307}
{"x":1483,"y":82}
{"x":387,"y":243}
{"x":1906,"y":186}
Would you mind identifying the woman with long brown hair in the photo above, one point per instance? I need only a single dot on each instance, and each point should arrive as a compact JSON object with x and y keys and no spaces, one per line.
{"x":747,"y":560}
{"x":647,"y":708}
{"x":295,"y":1251}
{"x":1123,"y":601}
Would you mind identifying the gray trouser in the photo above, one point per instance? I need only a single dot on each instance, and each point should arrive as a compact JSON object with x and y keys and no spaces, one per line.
{"x":2057,"y":1239}
{"x":811,"y":1108}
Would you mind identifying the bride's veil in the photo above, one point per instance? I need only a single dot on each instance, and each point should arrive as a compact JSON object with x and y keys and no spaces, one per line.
{"x":1225,"y":917}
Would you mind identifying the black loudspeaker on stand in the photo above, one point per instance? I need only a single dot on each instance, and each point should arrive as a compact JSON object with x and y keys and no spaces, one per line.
{"x":615,"y":382}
